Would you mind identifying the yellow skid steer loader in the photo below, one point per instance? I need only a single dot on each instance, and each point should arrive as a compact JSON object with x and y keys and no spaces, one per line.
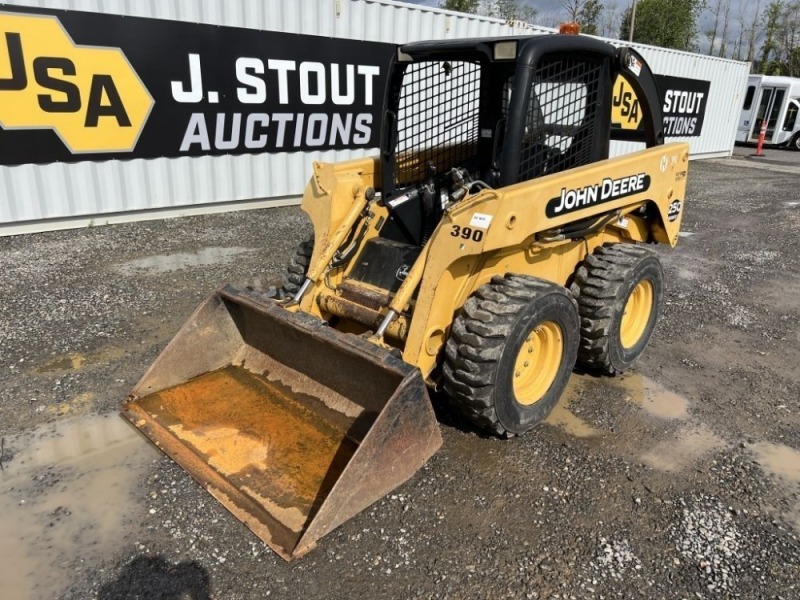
{"x":489,"y":247}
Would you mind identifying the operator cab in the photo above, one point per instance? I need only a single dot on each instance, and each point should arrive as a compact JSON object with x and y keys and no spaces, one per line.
{"x":460,"y":115}
{"x":497,"y":112}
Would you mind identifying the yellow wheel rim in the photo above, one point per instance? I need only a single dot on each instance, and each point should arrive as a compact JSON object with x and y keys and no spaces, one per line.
{"x":537,"y":363}
{"x":636,"y":315}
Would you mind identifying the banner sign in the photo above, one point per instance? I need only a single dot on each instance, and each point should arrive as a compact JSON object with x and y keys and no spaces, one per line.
{"x":683,"y":104}
{"x":80,"y":86}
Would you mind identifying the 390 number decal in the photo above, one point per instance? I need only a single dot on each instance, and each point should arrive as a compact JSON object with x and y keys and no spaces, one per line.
{"x":468,"y":233}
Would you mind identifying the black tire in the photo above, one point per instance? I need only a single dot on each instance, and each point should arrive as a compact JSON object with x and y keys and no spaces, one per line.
{"x":297,"y":268}
{"x":602,"y":285}
{"x":486,"y":339}
{"x":795,"y":143}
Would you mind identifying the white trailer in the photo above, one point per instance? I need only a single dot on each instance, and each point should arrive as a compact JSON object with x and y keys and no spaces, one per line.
{"x":776,"y":100}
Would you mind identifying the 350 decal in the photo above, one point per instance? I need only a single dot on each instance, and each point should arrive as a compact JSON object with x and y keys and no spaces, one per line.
{"x":90,"y":96}
{"x":467,"y":233}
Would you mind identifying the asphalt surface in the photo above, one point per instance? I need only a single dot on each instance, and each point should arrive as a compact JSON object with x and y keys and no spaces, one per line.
{"x":771,"y":157}
{"x":680,"y":480}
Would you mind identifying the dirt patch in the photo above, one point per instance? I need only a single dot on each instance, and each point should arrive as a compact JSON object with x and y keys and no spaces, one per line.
{"x":646,"y":487}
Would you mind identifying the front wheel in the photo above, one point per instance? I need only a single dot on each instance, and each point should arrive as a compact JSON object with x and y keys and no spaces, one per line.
{"x":795,"y":143}
{"x":511,"y":352}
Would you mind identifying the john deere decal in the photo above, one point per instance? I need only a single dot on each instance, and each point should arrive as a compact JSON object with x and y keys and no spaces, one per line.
{"x":608,"y":190}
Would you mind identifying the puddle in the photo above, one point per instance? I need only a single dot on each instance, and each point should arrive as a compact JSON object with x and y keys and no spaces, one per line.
{"x":572,"y":424}
{"x":80,"y":404}
{"x":779,"y":461}
{"x":690,"y":445}
{"x":75,"y":361}
{"x":792,"y":204}
{"x":168,"y":263}
{"x":653,"y":397}
{"x":783,"y":463}
{"x":68,"y":362}
{"x":65,"y":497}
{"x":565,"y":419}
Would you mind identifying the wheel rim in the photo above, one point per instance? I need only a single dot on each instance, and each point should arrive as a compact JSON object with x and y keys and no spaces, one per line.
{"x":537,"y":363}
{"x":636,"y":315}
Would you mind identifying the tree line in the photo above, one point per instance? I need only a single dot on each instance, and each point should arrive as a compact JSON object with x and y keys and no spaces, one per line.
{"x":765,"y":33}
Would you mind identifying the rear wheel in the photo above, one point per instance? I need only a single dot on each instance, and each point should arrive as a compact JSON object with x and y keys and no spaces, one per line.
{"x":297,"y":268}
{"x":619,"y":290}
{"x":511,"y":352}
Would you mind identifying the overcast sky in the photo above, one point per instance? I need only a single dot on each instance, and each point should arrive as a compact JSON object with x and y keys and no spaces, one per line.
{"x":551,"y":13}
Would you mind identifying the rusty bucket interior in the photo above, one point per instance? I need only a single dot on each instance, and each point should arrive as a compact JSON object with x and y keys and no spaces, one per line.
{"x":291,"y":425}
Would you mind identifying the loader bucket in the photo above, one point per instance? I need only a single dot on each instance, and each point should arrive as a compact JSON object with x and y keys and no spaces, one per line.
{"x":293,"y":426}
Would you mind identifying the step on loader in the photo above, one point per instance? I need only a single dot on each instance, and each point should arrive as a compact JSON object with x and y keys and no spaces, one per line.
{"x":489,"y":247}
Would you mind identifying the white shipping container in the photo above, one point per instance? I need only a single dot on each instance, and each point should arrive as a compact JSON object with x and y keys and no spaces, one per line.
{"x":59,"y":195}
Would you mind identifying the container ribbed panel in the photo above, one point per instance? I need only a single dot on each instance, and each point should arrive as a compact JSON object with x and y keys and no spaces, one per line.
{"x":46,"y":193}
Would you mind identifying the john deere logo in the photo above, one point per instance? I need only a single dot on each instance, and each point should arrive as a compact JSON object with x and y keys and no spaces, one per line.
{"x":626,"y":111}
{"x":90,"y":96}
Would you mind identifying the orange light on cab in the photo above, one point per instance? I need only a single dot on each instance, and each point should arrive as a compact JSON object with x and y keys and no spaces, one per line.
{"x":571,"y":28}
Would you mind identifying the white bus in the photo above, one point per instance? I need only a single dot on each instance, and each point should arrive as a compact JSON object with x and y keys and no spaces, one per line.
{"x":778,"y":100}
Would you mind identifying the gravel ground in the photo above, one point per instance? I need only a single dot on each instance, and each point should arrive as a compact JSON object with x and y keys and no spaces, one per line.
{"x":681,"y":480}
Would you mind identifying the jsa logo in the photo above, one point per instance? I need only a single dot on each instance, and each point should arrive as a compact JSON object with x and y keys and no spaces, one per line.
{"x":90,"y":96}
{"x":625,"y":109}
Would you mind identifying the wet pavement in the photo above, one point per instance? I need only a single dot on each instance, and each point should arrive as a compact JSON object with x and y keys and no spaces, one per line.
{"x":678,"y":480}
{"x":65,"y":496}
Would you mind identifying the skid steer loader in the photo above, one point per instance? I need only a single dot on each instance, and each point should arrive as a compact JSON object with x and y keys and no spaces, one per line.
{"x":489,"y":246}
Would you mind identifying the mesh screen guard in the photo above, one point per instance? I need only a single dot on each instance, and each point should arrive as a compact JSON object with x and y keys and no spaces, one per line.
{"x":561,"y":123}
{"x":438,"y":118}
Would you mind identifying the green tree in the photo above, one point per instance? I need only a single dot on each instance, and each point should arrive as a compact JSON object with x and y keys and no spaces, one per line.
{"x":752,"y":32}
{"x":772,"y":16}
{"x":510,"y":10}
{"x":513,"y":10}
{"x":666,"y":23}
{"x":465,"y":6}
{"x":712,"y":33}
{"x":788,"y":43}
{"x":589,"y":16}
{"x":584,"y":12}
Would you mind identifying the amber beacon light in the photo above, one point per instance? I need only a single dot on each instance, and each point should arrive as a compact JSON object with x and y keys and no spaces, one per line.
{"x":571,"y":28}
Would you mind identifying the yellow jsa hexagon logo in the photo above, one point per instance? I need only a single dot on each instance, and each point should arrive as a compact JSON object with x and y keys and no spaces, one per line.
{"x":626,"y":112}
{"x":90,"y":96}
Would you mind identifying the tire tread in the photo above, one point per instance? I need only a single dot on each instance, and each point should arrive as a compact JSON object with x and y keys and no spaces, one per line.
{"x":476,"y":343}
{"x":596,"y":285}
